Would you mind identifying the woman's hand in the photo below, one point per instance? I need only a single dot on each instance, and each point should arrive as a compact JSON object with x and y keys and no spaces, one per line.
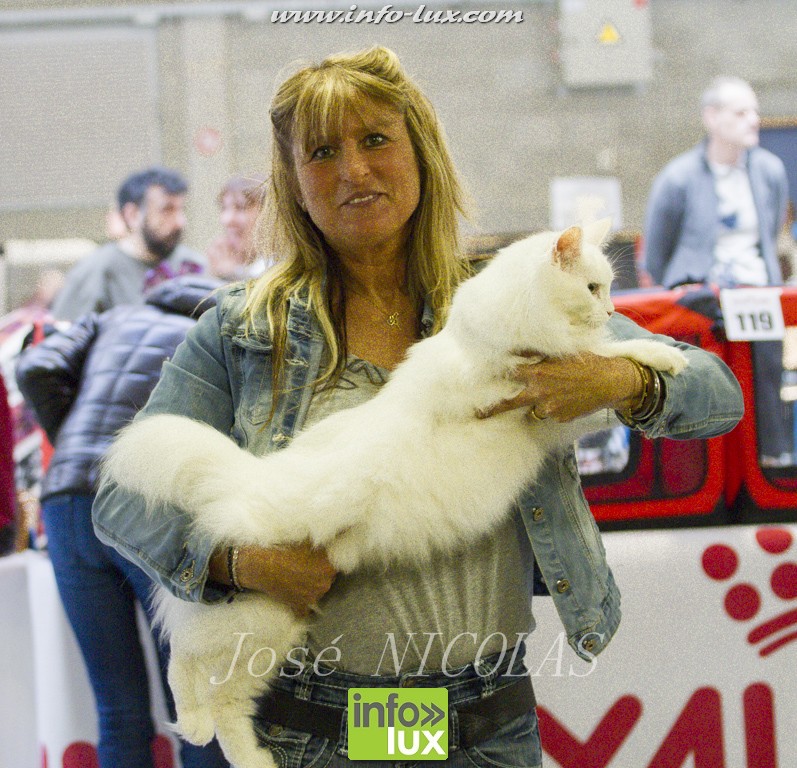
{"x":566,"y":388}
{"x":298,"y":575}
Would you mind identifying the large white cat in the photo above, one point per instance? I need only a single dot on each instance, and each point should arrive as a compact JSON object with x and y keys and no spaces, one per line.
{"x":409,"y":471}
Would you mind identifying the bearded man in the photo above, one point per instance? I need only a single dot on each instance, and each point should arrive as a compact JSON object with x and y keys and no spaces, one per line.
{"x":152,"y":206}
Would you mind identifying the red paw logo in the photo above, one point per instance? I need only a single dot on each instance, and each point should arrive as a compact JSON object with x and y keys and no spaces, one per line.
{"x":743,"y":600}
{"x":81,"y":754}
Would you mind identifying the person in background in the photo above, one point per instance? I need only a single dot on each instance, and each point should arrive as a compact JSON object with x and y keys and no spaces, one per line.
{"x":365,"y":201}
{"x":234,"y":255}
{"x":152,"y":205}
{"x":84,"y":384}
{"x":787,"y":247}
{"x":714,"y":215}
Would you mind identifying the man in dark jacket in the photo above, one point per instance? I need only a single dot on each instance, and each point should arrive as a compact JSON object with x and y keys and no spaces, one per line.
{"x":85,"y":384}
{"x":7,"y":500}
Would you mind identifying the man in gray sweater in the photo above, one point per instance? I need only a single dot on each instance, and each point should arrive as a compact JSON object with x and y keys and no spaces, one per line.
{"x":151,"y":203}
{"x":713,"y":216}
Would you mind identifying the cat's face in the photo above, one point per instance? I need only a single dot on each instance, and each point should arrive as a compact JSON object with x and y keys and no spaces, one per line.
{"x":582,"y":276}
{"x":548,"y":293}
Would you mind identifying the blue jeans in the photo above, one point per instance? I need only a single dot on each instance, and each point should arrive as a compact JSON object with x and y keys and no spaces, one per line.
{"x":774,"y":431}
{"x":99,"y":590}
{"x":515,"y":745}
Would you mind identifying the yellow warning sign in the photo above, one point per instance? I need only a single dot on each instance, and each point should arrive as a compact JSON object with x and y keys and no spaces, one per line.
{"x":608,"y":34}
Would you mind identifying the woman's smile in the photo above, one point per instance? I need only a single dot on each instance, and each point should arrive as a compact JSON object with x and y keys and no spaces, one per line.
{"x":362,"y":199}
{"x":361,"y":187}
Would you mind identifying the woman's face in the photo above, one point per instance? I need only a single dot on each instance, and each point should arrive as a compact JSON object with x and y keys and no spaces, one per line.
{"x":238,"y":217}
{"x":361,"y":188}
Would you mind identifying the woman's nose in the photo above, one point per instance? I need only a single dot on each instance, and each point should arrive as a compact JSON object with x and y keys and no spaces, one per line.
{"x":353,"y":164}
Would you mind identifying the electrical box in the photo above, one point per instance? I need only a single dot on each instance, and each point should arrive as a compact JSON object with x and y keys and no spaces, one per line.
{"x":604,"y":42}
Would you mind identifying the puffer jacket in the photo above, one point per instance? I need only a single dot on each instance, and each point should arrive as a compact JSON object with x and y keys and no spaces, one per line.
{"x":7,"y":495}
{"x":87,"y":382}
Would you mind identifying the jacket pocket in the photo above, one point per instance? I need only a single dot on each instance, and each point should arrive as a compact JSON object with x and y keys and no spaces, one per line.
{"x":253,"y":358}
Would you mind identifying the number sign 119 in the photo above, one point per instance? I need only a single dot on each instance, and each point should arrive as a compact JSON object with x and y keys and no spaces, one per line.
{"x":752,"y":314}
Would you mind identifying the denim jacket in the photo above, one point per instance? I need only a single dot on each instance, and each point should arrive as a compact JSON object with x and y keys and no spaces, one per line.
{"x":222,"y":375}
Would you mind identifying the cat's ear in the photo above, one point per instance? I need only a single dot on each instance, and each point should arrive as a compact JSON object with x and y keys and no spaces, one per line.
{"x":567,"y":250}
{"x":596,"y":232}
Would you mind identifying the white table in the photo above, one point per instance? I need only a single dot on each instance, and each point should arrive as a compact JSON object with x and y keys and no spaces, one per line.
{"x":46,"y":703}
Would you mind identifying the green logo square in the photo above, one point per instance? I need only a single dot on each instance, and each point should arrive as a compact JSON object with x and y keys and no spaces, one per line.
{"x":398,"y":723}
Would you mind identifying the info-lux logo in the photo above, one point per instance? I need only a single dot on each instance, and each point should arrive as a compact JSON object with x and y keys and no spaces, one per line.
{"x":398,"y":723}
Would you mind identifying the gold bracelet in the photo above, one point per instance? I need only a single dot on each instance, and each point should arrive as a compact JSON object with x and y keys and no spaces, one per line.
{"x":655,"y":397}
{"x":232,"y":568}
{"x":644,"y":377}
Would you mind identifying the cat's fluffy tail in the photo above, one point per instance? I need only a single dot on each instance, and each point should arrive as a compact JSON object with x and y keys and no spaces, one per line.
{"x":173,"y":460}
{"x":162,"y":456}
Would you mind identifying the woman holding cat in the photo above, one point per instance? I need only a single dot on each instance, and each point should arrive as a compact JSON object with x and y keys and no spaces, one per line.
{"x":364,"y":202}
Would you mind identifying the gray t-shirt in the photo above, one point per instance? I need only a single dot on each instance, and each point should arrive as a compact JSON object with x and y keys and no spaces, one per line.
{"x":445,"y":612}
{"x":108,"y":277}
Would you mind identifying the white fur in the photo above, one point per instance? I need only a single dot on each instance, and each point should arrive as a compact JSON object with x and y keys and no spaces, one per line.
{"x":410,"y":471}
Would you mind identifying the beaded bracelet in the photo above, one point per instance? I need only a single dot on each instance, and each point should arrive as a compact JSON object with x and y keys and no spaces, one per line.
{"x":232,"y":568}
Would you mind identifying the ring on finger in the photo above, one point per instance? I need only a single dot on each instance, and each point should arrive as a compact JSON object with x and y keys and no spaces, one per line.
{"x":535,"y":416}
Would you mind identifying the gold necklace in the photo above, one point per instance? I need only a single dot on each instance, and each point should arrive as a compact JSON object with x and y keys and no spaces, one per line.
{"x":391,"y":318}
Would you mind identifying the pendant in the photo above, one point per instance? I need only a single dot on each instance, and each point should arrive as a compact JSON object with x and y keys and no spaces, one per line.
{"x":393,"y":320}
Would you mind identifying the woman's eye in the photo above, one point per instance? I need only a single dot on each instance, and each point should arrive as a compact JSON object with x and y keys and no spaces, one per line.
{"x":375,"y":140}
{"x":321,"y":153}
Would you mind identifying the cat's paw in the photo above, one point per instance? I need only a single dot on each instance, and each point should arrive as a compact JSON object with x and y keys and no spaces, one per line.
{"x":346,"y":551}
{"x":195,"y":726}
{"x":666,"y":359}
{"x":654,"y":354}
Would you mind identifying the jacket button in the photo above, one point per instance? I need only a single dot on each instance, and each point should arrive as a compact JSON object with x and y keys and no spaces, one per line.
{"x":537,"y":514}
{"x":187,"y":574}
{"x":275,"y":730}
{"x":589,"y":644}
{"x":562,"y":586}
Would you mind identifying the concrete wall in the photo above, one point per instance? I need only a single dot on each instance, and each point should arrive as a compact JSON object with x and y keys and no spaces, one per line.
{"x":511,"y":125}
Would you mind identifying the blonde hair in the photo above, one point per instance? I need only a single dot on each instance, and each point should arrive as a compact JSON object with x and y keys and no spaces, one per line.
{"x":307,"y":107}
